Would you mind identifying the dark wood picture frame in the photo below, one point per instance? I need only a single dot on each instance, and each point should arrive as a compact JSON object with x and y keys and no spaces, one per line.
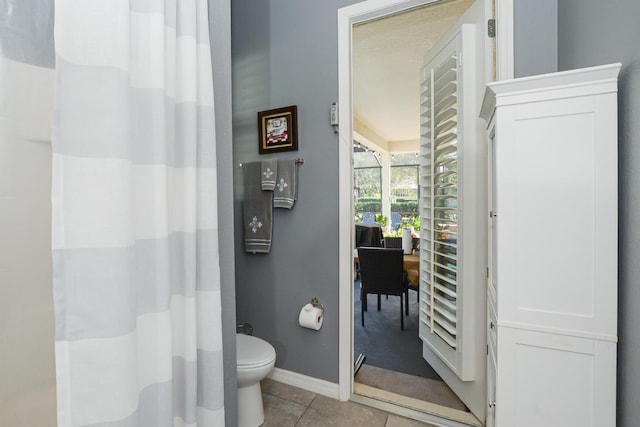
{"x":278,"y":130}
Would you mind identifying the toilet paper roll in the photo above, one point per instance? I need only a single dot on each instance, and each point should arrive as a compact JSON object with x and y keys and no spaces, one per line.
{"x":311,"y":317}
{"x":407,"y":240}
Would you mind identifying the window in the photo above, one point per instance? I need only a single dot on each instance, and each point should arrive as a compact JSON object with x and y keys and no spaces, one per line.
{"x":404,"y":177}
{"x":367,"y":181}
{"x":405,"y":189}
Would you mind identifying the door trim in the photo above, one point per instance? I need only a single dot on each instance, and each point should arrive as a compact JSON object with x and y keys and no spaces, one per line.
{"x":505,"y":56}
{"x":347,"y":17}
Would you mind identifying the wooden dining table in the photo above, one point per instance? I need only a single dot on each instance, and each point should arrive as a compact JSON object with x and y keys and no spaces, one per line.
{"x":411,"y":262}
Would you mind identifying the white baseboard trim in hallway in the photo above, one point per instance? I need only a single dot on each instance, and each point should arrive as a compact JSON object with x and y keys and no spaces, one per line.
{"x":305,"y":382}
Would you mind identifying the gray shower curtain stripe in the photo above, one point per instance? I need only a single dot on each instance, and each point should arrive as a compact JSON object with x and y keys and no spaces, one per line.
{"x":148,"y":273}
{"x":206,"y":270}
{"x":135,"y":242}
{"x":211,"y":398}
{"x":178,"y":126}
{"x":166,"y":121}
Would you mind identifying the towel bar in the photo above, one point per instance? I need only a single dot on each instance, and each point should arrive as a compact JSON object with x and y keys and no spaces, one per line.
{"x":299,"y":161}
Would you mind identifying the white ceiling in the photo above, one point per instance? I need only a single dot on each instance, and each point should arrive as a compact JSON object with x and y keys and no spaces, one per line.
{"x":387,"y":56}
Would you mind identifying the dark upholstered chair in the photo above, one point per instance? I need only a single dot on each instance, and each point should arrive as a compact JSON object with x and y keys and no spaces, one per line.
{"x":381,"y":273}
{"x":393,"y":242}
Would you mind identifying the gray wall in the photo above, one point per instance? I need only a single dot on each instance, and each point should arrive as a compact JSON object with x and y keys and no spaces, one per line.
{"x":26,"y":33}
{"x":536,"y":37}
{"x":220,"y":34}
{"x":285,"y":53}
{"x":594,"y":32}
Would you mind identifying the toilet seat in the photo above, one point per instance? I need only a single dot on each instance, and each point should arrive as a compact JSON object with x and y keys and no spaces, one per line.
{"x":253,"y":352}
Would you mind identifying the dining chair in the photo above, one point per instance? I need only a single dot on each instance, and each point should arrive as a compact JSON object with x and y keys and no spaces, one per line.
{"x":381,"y":272}
{"x":393,"y":242}
{"x":368,"y":218}
{"x":396,"y":220}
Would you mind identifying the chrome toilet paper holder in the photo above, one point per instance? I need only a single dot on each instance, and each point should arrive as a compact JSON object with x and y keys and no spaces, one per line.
{"x":316,"y":303}
{"x":244,"y":328}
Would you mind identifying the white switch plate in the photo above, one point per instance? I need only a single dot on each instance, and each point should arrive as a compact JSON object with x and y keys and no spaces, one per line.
{"x":334,"y":113}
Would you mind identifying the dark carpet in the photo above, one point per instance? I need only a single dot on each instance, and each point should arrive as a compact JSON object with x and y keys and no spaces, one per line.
{"x":382,"y":341}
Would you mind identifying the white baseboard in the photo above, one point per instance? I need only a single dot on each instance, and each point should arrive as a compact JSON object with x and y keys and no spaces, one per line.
{"x":305,"y":382}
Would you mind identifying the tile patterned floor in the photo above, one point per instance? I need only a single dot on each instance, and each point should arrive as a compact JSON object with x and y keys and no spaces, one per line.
{"x":287,"y":406}
{"x":434,"y":391}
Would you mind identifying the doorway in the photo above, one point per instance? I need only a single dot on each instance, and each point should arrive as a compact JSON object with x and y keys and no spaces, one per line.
{"x":347,"y":19}
{"x":388,"y":54}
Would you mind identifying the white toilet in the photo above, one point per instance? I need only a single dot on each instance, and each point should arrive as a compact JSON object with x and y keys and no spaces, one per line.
{"x":256,"y":358}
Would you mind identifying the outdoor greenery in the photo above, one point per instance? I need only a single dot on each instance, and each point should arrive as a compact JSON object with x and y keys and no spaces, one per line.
{"x":367,"y":183}
{"x":413,"y":221}
{"x":404,"y":183}
{"x":368,"y":205}
{"x":382,"y":220}
{"x":404,"y":207}
{"x":404,"y":190}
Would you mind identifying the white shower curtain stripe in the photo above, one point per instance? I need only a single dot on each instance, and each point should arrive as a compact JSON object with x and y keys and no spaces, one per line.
{"x":135,"y":244}
{"x":148,"y":69}
{"x":93,"y":32}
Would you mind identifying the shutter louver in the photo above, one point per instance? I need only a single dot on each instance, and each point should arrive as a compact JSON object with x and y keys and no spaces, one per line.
{"x":448,"y":268}
{"x":440,"y":202}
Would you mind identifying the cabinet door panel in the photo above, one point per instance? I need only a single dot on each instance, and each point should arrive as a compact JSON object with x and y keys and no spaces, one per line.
{"x":555,"y":180}
{"x":529,"y":393}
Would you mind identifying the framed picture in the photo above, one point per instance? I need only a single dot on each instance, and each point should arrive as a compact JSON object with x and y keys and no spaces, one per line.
{"x":278,"y":130}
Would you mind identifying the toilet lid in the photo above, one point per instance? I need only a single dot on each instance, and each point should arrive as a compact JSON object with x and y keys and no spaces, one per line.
{"x":253,"y":351}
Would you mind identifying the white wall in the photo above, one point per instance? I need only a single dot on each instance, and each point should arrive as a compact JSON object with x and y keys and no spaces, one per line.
{"x":27,"y":375}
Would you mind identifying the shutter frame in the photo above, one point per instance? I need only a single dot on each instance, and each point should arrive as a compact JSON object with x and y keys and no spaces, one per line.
{"x":442,"y":267}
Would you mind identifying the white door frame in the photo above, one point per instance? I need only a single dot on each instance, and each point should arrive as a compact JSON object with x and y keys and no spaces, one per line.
{"x":347,"y":17}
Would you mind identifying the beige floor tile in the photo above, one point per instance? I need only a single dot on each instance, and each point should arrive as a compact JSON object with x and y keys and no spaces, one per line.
{"x":325,"y":411}
{"x":280,"y":412}
{"x":426,"y":389}
{"x":396,"y":421}
{"x":288,"y":392}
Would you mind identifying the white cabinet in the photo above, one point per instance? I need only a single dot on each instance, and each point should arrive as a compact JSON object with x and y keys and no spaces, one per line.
{"x":553,"y":249}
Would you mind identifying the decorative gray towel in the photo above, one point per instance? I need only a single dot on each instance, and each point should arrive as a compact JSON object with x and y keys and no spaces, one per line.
{"x":285,"y":193}
{"x":257,"y":211}
{"x":269,"y":173}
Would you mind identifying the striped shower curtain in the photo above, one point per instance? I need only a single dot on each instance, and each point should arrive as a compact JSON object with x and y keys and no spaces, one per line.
{"x":136,"y":275}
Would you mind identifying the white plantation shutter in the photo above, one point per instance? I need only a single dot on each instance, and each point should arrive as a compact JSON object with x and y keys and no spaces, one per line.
{"x":442,"y":142}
